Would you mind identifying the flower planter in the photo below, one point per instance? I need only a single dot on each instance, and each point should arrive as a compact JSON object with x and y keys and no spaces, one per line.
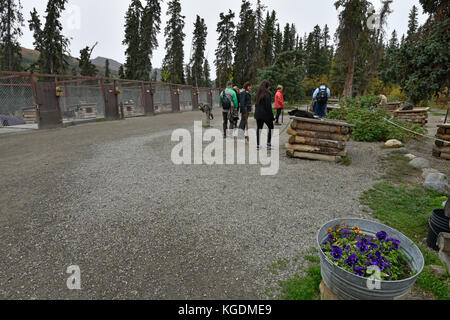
{"x":348,"y":286}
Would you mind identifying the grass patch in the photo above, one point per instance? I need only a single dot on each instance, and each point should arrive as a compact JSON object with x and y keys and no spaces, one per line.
{"x":438,"y":286}
{"x":398,"y":170}
{"x":346,"y":161}
{"x":279,"y":265}
{"x":302,"y":288}
{"x":407,"y":208}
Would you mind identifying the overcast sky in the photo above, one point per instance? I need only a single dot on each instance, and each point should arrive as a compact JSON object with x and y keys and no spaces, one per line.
{"x":103,"y":20}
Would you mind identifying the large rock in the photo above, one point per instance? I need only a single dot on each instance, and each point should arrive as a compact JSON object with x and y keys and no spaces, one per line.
{"x":420,"y":163}
{"x":427,"y":171}
{"x":437,"y":182}
{"x":402,"y":151}
{"x":393,"y":144}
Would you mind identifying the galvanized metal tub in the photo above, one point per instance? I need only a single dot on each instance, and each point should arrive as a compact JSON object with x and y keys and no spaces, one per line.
{"x":349,"y":286}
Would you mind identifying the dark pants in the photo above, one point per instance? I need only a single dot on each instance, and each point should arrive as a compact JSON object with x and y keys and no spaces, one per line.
{"x":277,"y":118}
{"x":320,"y":110}
{"x":227,"y":117}
{"x":243,"y":123}
{"x":260,"y":124}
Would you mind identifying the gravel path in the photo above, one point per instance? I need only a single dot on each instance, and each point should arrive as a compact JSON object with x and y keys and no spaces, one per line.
{"x":107,"y":197}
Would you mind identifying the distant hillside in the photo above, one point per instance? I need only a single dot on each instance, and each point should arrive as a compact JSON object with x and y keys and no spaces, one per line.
{"x":30,"y":56}
{"x":113,"y":64}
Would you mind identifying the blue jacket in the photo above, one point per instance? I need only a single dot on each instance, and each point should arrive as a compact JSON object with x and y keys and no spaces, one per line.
{"x":317,"y":92}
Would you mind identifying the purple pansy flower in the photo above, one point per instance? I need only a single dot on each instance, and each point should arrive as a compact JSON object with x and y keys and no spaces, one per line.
{"x":363,"y":245}
{"x":352,"y":260}
{"x":336,"y":253}
{"x":382,"y":236}
{"x":360,"y":271}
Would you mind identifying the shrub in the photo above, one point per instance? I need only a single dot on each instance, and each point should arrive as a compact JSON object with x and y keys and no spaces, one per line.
{"x":370,"y":126}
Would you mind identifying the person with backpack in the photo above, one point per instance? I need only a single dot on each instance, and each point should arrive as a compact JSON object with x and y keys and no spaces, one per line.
{"x":245,"y":104}
{"x":279,"y":104}
{"x":321,"y":96}
{"x":228,"y":100}
{"x":264,"y":113}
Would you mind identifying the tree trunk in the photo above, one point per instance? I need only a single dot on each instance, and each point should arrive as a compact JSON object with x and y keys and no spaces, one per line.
{"x":348,"y":92}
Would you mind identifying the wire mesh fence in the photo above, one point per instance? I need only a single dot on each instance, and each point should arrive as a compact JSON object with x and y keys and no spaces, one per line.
{"x":186,"y":99}
{"x":81,"y":99}
{"x":16,"y":98}
{"x":162,"y":97}
{"x":77,"y":98}
{"x":130,"y":98}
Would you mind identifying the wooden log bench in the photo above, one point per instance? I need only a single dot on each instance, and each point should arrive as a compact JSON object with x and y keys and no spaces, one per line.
{"x":442,"y":148}
{"x":314,"y":139}
{"x":416,"y":116}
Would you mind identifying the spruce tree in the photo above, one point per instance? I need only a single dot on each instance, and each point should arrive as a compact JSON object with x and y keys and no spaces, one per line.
{"x":121,"y":72}
{"x":269,"y":38}
{"x":107,"y":70}
{"x":132,"y":40}
{"x":245,"y":46}
{"x":198,"y":57}
{"x":352,"y":21}
{"x":206,"y":74}
{"x":287,"y":40}
{"x":87,"y":68}
{"x":173,"y":64}
{"x":224,"y":51}
{"x":11,"y":21}
{"x":278,"y":42}
{"x":413,"y":23}
{"x":149,"y":29}
{"x":49,"y":41}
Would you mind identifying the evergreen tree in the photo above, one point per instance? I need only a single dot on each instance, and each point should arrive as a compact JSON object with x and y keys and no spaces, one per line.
{"x":198,"y":58}
{"x":121,"y":72}
{"x":173,"y":64}
{"x":224,"y":51}
{"x":259,"y":26}
{"x":49,"y":41}
{"x":107,"y":70}
{"x":287,"y":40}
{"x":413,"y":23}
{"x":352,"y":20}
{"x":246,"y":48}
{"x":132,"y":40}
{"x":149,"y":29}
{"x":11,"y":21}
{"x":87,"y":68}
{"x":269,"y":39}
{"x":278,"y":42}
{"x":207,"y":74}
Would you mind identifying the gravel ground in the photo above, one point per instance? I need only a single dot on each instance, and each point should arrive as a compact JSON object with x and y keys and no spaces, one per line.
{"x":106,"y":197}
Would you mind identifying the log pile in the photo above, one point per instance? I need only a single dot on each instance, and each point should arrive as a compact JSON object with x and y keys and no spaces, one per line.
{"x":417,"y":116}
{"x":442,"y":149}
{"x":318,"y":139}
{"x":391,"y":107}
{"x":29,"y":115}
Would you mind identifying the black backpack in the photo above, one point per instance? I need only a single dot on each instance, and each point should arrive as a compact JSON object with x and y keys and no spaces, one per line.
{"x":226,"y":102}
{"x":322,"y":96}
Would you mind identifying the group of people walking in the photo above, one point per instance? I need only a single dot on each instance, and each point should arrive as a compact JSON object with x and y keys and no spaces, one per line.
{"x":234,"y":101}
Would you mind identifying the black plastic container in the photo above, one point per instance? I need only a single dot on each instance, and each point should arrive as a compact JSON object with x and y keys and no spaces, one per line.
{"x":439,"y":223}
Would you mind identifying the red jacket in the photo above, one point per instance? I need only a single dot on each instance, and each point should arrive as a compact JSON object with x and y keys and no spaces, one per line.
{"x":279,"y":100}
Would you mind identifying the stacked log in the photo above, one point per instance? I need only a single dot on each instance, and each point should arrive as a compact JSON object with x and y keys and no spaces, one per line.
{"x":29,"y":115}
{"x":417,"y":116}
{"x":442,"y":149}
{"x":391,"y":107}
{"x":318,"y":139}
